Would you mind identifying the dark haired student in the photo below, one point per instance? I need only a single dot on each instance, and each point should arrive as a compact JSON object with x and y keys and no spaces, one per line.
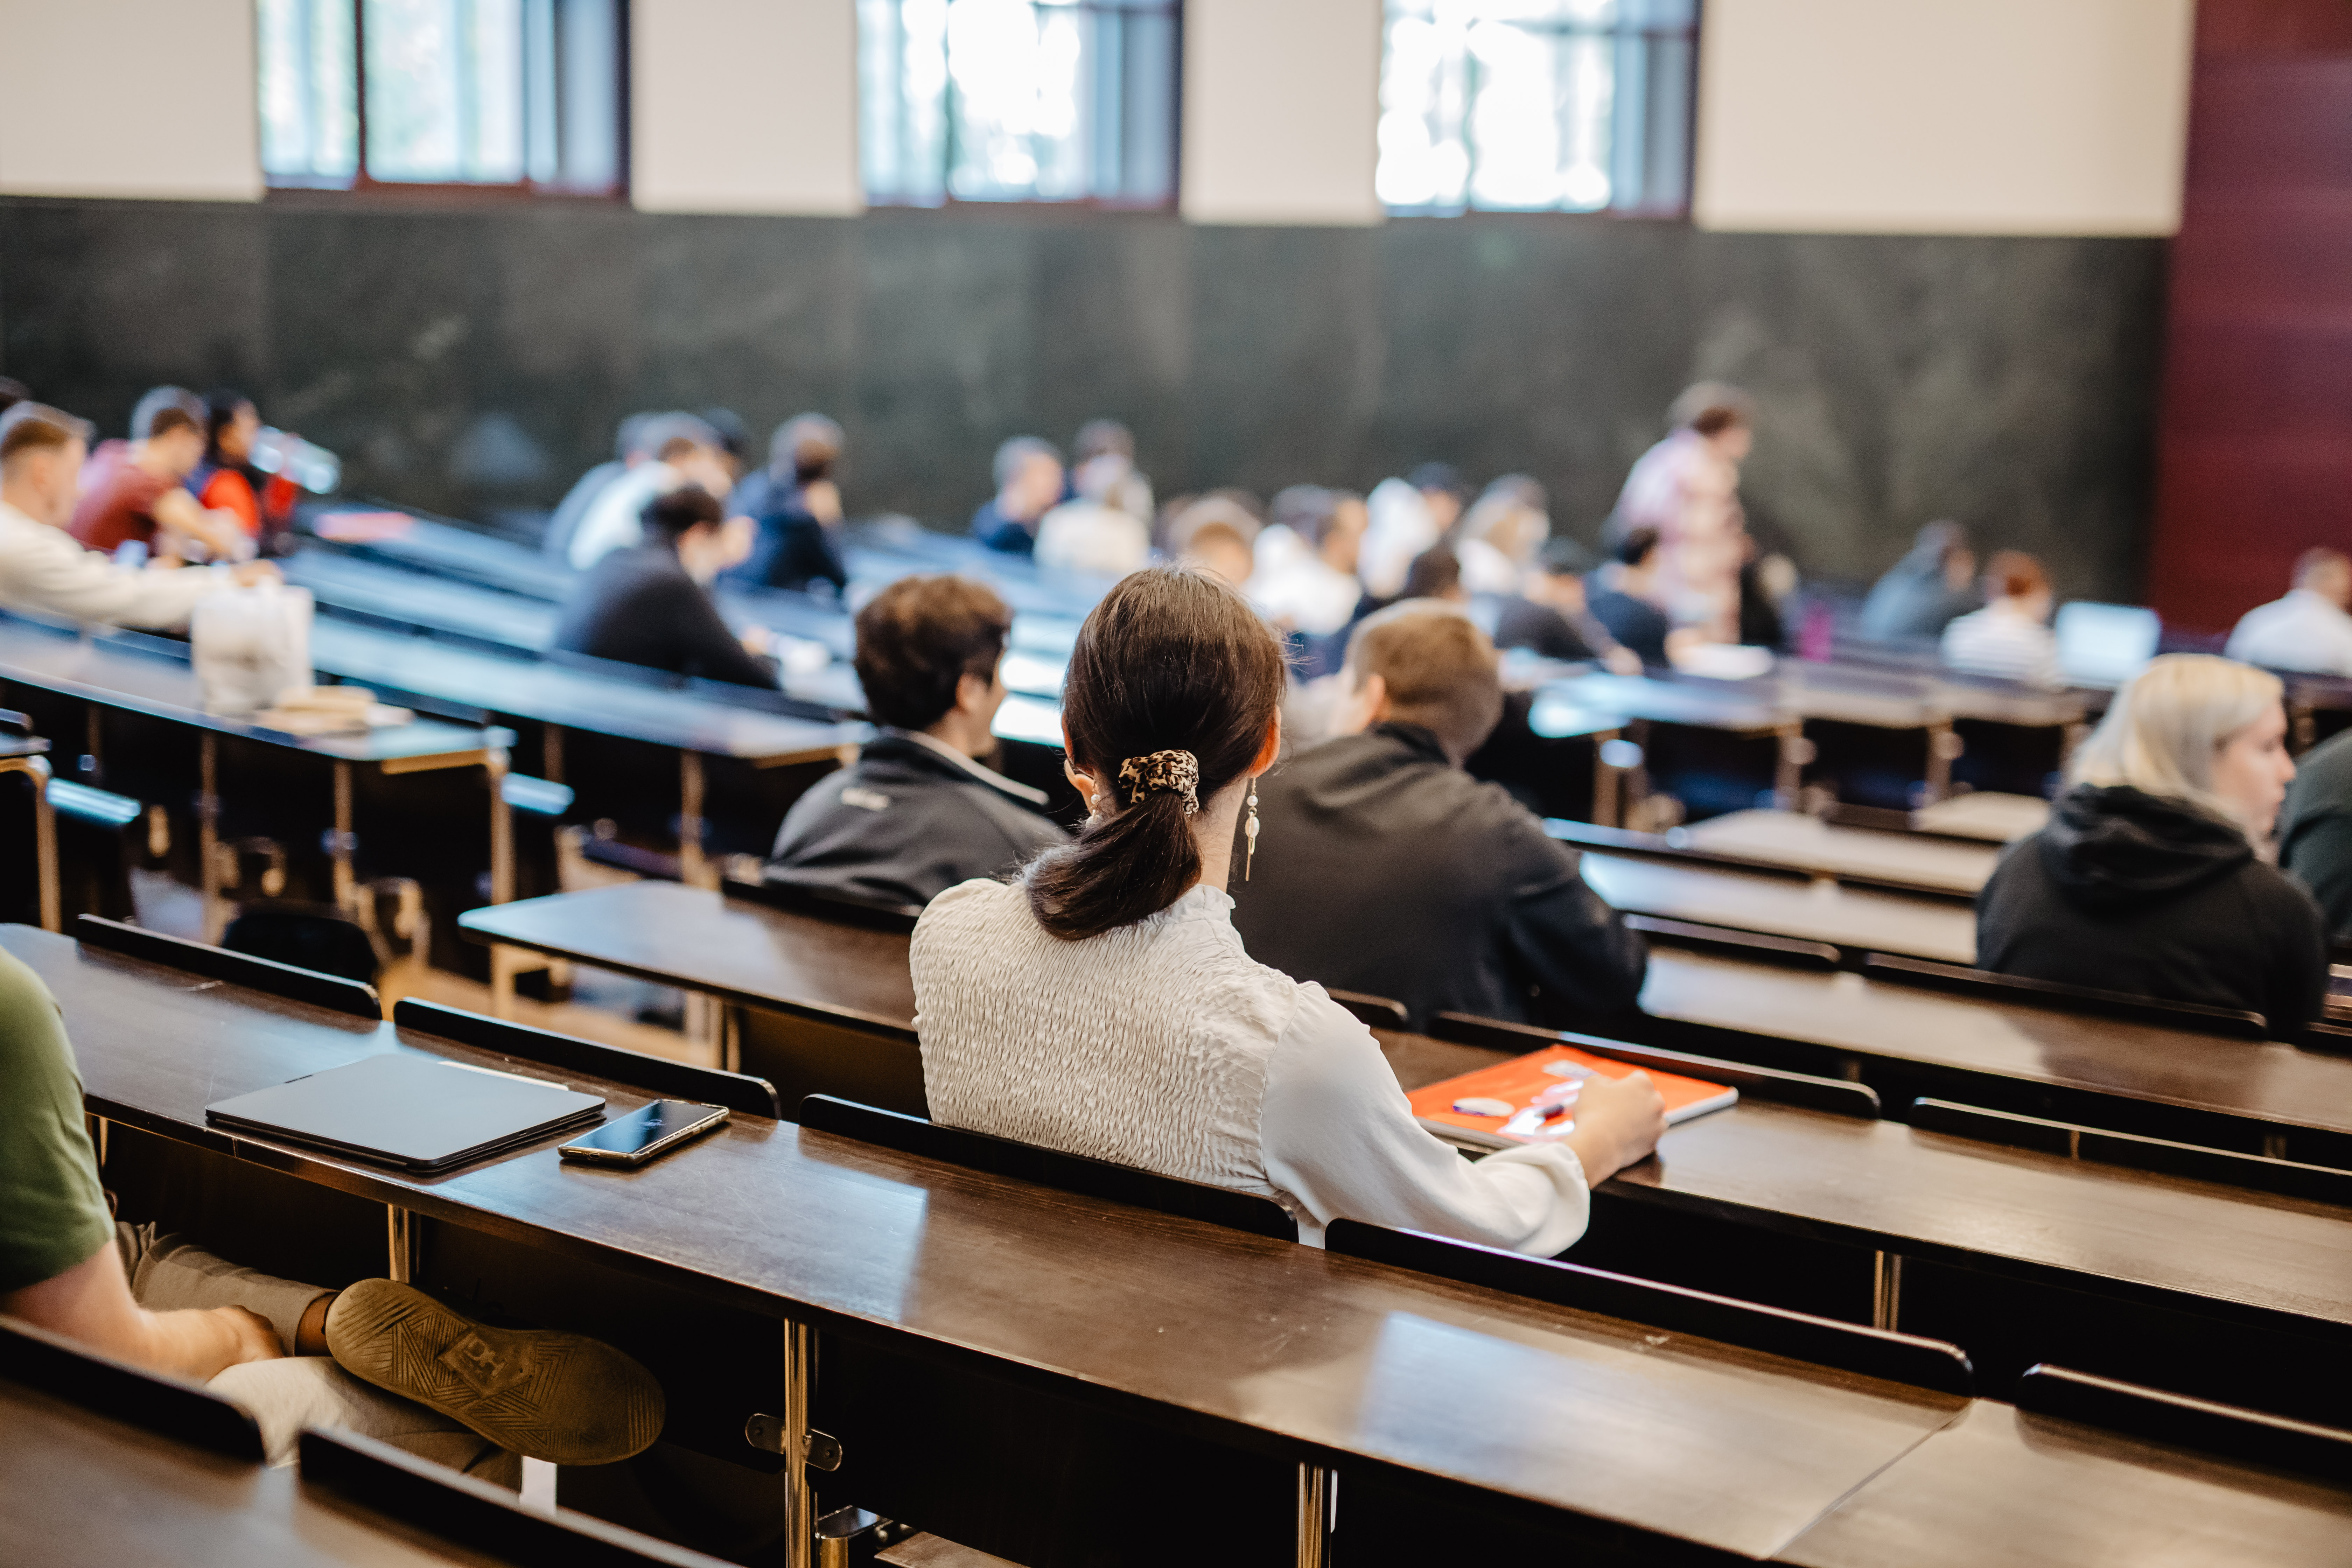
{"x":1382,"y":867}
{"x":649,"y":603}
{"x":1103,"y":1004}
{"x":916,"y":813}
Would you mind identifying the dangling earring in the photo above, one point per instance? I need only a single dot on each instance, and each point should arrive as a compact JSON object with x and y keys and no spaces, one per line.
{"x":1249,"y":833}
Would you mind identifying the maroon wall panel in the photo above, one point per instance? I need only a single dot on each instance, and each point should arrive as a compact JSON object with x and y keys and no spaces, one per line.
{"x":2256,"y":449}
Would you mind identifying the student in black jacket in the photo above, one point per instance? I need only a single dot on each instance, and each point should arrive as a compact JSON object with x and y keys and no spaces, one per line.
{"x":917,"y":813}
{"x":798,"y":508}
{"x":1381,"y":866}
{"x":646,"y":603}
{"x":2147,"y":879}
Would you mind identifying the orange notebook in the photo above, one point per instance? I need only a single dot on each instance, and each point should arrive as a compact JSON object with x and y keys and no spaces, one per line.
{"x":1529,"y":1099}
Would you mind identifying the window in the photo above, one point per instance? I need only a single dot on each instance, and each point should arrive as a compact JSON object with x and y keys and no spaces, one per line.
{"x":1537,"y":105}
{"x":1018,"y":100}
{"x":519,"y":94}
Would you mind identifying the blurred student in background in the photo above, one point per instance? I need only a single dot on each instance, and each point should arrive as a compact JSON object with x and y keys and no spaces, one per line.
{"x":1405,"y":517}
{"x":1500,"y":537}
{"x":649,"y":603}
{"x":1104,"y":527}
{"x":796,"y":507}
{"x":916,"y":813}
{"x":1925,"y":591}
{"x":2010,"y":637}
{"x":684,"y":452}
{"x":1307,"y":559}
{"x":628,"y":450}
{"x":1382,"y":867}
{"x":1687,"y":488}
{"x":227,"y":480}
{"x":44,"y":569}
{"x":135,"y":490}
{"x":1627,"y":602}
{"x":2307,"y":630}
{"x":1028,"y":483}
{"x":1217,"y":536}
{"x":2149,"y":877}
{"x":1107,"y":448}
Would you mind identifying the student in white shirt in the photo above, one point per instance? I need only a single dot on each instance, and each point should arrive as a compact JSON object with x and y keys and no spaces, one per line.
{"x":1306,"y":577}
{"x":686,"y":455}
{"x":2308,"y":629}
{"x":2011,"y":636}
{"x":1102,"y":1003}
{"x":45,"y":569}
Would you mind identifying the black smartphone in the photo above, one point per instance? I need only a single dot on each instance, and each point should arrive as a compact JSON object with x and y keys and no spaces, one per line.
{"x":633,"y":1139}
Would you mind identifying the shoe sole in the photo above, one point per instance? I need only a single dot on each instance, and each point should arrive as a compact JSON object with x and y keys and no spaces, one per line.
{"x":564,"y":1398}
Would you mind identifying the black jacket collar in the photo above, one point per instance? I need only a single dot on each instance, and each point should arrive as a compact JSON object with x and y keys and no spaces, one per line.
{"x":1420,"y":742}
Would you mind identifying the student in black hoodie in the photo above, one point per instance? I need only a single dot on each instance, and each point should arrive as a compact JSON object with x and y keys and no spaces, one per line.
{"x":917,"y":813}
{"x":2147,"y":879}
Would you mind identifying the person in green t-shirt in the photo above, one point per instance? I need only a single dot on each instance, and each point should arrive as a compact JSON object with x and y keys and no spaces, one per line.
{"x":379,"y":1357}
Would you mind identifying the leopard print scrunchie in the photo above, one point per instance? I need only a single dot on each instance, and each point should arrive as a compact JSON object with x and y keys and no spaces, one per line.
{"x":1171,"y":772}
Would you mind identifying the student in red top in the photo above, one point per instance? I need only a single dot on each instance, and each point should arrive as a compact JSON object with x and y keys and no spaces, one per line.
{"x":226,"y":479}
{"x":135,"y":489}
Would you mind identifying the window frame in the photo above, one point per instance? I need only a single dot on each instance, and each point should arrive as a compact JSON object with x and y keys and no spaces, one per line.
{"x":1647,"y":212}
{"x":949,"y":202}
{"x":362,"y":186}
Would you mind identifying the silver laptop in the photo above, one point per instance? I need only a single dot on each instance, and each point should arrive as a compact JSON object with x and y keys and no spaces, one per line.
{"x":2104,"y":644}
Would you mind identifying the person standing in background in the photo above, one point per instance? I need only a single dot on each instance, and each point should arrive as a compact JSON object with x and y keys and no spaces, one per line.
{"x":1687,"y":488}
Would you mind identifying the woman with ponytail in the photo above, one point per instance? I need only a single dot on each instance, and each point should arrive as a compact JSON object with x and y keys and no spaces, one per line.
{"x":1102,"y":1003}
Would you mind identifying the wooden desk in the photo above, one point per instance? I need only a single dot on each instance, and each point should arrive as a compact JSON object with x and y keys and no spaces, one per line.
{"x":30,"y":755}
{"x":1269,"y":1347}
{"x":78,"y":1489}
{"x":1794,"y":841}
{"x":1989,"y":817}
{"x":1907,"y":1041}
{"x":2028,"y":1492}
{"x":1857,"y":919}
{"x":147,"y":676}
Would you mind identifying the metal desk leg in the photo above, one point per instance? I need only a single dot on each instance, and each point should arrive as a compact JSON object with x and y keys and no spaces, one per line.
{"x":693,"y":869}
{"x":404,"y":1243}
{"x":502,"y":866}
{"x":346,"y":884}
{"x":209,"y":835}
{"x":1797,"y":754}
{"x":1943,"y":748}
{"x":800,"y":1376}
{"x":1318,"y":1491}
{"x":45,"y":835}
{"x":1885,"y":1289}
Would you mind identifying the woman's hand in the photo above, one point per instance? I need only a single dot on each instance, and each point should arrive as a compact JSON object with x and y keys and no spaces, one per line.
{"x":1618,"y":1122}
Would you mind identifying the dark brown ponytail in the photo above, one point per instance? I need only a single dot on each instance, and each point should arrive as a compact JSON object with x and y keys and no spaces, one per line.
{"x":1172,"y":659}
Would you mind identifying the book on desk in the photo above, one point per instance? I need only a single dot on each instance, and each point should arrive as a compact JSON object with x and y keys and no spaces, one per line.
{"x":1532,"y":1099}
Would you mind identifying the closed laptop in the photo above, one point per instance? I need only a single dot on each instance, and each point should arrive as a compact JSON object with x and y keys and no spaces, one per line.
{"x":409,"y":1110}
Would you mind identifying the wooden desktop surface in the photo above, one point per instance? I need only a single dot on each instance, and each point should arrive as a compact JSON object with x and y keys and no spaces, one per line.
{"x":119,"y":675}
{"x":2000,"y":1486}
{"x":2251,"y":1257}
{"x":701,"y":940}
{"x":443,"y":671}
{"x":1874,"y":1018}
{"x":1670,"y":702}
{"x":79,"y":1490}
{"x":1801,"y":842}
{"x":1266,"y":1344}
{"x":1991,"y":817}
{"x":1858,"y":919}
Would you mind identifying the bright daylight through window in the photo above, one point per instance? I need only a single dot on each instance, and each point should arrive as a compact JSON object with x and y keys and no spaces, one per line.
{"x":1537,"y":105}
{"x":521,"y":94}
{"x":1011,"y":101}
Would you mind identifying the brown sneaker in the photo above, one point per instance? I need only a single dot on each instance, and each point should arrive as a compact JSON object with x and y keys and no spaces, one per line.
{"x":564,"y":1398}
